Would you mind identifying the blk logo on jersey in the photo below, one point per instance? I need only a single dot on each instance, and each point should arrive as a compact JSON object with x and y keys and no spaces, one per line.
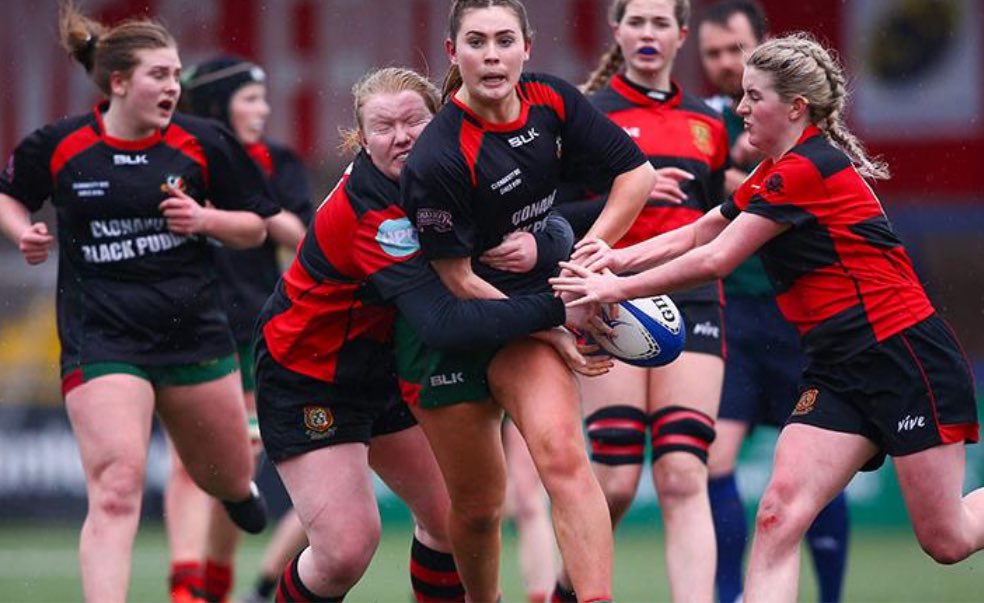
{"x":448,"y":379}
{"x":528,"y":137}
{"x":130,"y":159}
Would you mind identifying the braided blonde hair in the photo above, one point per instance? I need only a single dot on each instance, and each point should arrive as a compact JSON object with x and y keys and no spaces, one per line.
{"x":801,"y":66}
{"x":612,"y":60}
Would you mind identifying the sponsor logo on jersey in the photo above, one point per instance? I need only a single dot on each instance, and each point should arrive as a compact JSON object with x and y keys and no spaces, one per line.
{"x":707,"y":329}
{"x":633,"y":131}
{"x":910,"y":423}
{"x":534,"y":210}
{"x":173,"y":181}
{"x":130,"y":159}
{"x":774,"y":183}
{"x":447,"y":379}
{"x":437,"y":220}
{"x":701,"y":133}
{"x":95,"y":188}
{"x":507,"y":182}
{"x":528,"y":137}
{"x":398,"y":238}
{"x":320,"y":422}
{"x":807,"y":402}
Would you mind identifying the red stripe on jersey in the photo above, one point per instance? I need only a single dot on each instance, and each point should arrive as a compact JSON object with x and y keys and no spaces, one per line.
{"x":597,"y":424}
{"x":120,"y":143}
{"x":961,"y":432}
{"x":70,"y":146}
{"x":433,"y":577}
{"x":182,"y":141}
{"x":261,"y":155}
{"x":682,"y":134}
{"x":470,"y":139}
{"x":541,"y":94}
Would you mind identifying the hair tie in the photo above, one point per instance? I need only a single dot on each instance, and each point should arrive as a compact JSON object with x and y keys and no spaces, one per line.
{"x":87,"y":53}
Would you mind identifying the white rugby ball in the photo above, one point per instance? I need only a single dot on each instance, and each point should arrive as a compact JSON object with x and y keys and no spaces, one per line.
{"x":648,"y":331}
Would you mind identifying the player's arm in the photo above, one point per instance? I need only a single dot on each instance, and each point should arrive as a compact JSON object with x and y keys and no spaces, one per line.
{"x":32,"y":240}
{"x":625,"y":200}
{"x":285,"y":228}
{"x":237,"y":229}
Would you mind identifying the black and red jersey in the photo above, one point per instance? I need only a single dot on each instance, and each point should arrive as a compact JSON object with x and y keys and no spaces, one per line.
{"x":468,"y":182}
{"x":331,"y":316}
{"x":841,"y":274}
{"x":674,"y":129}
{"x":129,"y":289}
{"x":247,"y":276}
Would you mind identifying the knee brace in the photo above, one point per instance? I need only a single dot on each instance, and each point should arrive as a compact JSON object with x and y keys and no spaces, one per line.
{"x":617,"y":435}
{"x":681,"y":429}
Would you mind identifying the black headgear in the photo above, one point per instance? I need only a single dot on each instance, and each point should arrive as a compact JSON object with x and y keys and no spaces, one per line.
{"x":208,"y":87}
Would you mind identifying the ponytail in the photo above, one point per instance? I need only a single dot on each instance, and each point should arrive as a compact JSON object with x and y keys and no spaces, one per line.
{"x":608,"y":66}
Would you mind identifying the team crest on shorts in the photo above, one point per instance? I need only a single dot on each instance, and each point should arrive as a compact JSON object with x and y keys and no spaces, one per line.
{"x":807,"y":402}
{"x":319,"y":421}
{"x":702,"y":136}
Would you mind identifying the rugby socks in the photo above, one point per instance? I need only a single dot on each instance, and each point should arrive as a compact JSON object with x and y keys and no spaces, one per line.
{"x":187,"y":581}
{"x":264,"y":587}
{"x":218,"y":581}
{"x":731,"y":530}
{"x":563,"y":594}
{"x":827,"y":539}
{"x":434,"y":575}
{"x":292,"y":590}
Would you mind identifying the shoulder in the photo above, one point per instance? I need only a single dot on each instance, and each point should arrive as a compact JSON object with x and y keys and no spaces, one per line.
{"x":440,"y":144}
{"x":208,"y":132}
{"x":607,"y":100}
{"x":817,"y":153}
{"x":696,"y":105}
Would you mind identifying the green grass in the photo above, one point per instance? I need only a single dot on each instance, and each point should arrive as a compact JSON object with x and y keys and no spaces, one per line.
{"x":38,"y":564}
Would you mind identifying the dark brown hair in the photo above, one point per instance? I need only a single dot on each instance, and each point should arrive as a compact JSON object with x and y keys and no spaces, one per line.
{"x":104,"y":50}
{"x":452,"y":80}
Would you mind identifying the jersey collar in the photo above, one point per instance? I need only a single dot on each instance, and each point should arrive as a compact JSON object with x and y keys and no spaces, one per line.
{"x":120,"y":143}
{"x":524,"y":112}
{"x":640,"y":95}
{"x":808,"y":133}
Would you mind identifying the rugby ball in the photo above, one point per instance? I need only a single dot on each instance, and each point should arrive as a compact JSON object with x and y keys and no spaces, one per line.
{"x":648,"y":331}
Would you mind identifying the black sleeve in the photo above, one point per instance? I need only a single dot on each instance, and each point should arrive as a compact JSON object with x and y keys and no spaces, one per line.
{"x":729,"y":209}
{"x":236,"y":183}
{"x":291,"y":184}
{"x":553,"y":243}
{"x":27,"y":177}
{"x":593,"y":139}
{"x":582,"y":214}
{"x":447,"y":323}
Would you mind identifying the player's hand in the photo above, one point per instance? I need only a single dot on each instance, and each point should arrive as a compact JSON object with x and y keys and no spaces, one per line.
{"x":579,"y":318}
{"x":516,"y":253}
{"x":569,"y":350}
{"x":35,"y":243}
{"x":668,"y":186}
{"x":588,"y":287}
{"x":184,"y":215}
{"x":595,"y":255}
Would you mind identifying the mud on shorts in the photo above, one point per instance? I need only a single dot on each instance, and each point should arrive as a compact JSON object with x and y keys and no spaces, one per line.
{"x":909,"y":393}
{"x":432,"y":379}
{"x":298,"y":413}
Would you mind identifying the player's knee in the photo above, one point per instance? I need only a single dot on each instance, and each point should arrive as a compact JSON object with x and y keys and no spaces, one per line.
{"x":779,"y":515}
{"x":942,"y":545}
{"x":117,"y":488}
{"x":617,"y":435}
{"x":679,"y":477}
{"x":681,"y":429}
{"x":342,"y":556}
{"x":478,"y":516}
